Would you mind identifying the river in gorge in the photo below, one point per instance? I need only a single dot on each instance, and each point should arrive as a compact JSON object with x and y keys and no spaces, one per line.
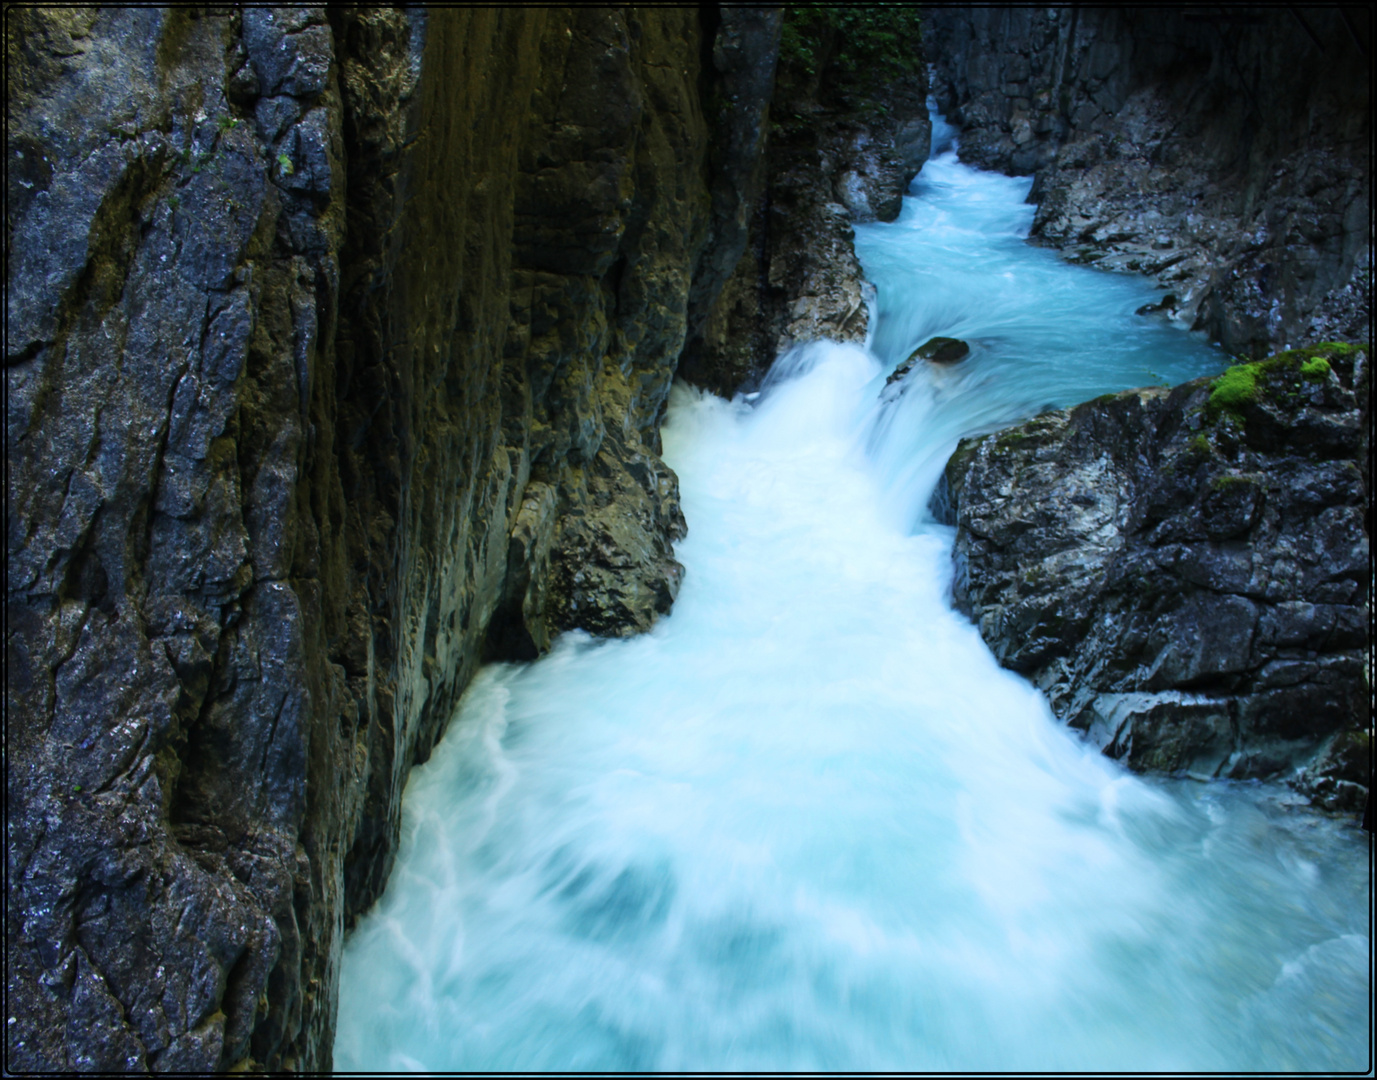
{"x":807,"y":823}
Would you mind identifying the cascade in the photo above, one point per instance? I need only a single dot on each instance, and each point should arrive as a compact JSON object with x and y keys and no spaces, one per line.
{"x":807,"y":822}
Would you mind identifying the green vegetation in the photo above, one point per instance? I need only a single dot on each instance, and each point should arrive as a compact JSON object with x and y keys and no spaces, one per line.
{"x":1336,"y":349}
{"x":1244,"y":384}
{"x":877,"y":43}
{"x":1229,"y":480}
{"x":284,"y":162}
{"x":1234,"y":389}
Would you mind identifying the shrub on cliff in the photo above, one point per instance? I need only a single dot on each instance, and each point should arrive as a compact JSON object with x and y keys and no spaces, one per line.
{"x":861,"y":46}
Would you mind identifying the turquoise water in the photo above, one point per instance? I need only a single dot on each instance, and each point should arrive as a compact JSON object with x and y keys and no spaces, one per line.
{"x":807,"y":822}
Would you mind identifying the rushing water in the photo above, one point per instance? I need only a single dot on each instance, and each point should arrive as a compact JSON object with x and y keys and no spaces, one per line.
{"x":807,"y":822}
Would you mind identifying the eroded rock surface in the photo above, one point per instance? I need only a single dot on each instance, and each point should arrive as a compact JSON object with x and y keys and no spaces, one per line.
{"x":1223,"y":151}
{"x":1185,"y":572}
{"x":338,"y":342}
{"x":842,"y":150}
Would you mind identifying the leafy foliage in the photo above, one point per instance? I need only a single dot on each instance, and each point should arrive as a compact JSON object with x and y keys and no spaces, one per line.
{"x":877,"y":42}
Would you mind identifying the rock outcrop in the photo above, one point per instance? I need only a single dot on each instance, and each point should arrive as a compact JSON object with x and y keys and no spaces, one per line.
{"x":1225,"y":152}
{"x":337,"y":346}
{"x":1186,"y":572}
{"x":842,"y":150}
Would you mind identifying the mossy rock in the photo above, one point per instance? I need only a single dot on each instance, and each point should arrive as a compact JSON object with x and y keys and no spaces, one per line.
{"x":938,"y":350}
{"x":1316,"y":368}
{"x":942,"y":350}
{"x":1235,"y":389}
{"x":1246,"y":384}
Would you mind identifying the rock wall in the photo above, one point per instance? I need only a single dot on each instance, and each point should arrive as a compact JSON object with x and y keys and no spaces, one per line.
{"x":841,"y":150}
{"x":1186,"y":573}
{"x":1225,"y":151}
{"x":338,"y":343}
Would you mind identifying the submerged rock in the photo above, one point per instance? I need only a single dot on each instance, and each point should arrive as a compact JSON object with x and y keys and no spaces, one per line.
{"x":938,"y":350}
{"x":1185,"y":572}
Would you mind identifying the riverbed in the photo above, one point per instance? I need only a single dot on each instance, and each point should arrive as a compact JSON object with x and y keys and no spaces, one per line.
{"x":807,"y":822}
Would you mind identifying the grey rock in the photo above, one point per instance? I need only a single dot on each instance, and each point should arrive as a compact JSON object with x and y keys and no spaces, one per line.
{"x":1188,"y":586}
{"x":938,"y":350}
{"x":1241,"y":186}
{"x":838,"y":154}
{"x":278,"y":485}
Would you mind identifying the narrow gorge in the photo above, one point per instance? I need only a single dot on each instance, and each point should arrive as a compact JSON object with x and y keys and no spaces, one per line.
{"x":359,"y":357}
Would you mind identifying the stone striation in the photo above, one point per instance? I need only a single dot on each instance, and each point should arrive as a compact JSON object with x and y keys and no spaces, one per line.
{"x":338,"y":340}
{"x":1185,"y":573}
{"x":1224,"y":152}
{"x":840,"y":152}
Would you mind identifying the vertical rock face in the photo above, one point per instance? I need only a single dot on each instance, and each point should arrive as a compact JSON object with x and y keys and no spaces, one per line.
{"x":1186,"y":573}
{"x":1224,"y":151}
{"x":337,"y":347}
{"x":842,"y":149}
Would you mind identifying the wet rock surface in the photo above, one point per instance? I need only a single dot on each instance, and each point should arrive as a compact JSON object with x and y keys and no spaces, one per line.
{"x":338,"y":343}
{"x":938,"y":350}
{"x":1222,"y":151}
{"x":840,"y":151}
{"x":1186,"y":572}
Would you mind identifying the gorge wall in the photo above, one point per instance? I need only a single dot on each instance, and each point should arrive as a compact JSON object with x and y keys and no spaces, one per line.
{"x":338,"y":343}
{"x":1225,"y":151}
{"x":1187,"y":574}
{"x":849,"y":130}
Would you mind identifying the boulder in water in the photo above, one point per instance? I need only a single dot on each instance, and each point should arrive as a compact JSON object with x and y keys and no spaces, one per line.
{"x":1185,"y":572}
{"x":938,"y":350}
{"x":1167,"y":304}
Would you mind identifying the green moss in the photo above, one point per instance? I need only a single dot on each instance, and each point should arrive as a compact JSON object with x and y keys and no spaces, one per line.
{"x":1235,"y":389}
{"x":284,"y":162}
{"x":1338,"y":348}
{"x":1228,"y":480}
{"x":1244,"y":384}
{"x":1201,"y":444}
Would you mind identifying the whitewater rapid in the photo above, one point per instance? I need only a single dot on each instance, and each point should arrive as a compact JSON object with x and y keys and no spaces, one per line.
{"x":807,"y":822}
